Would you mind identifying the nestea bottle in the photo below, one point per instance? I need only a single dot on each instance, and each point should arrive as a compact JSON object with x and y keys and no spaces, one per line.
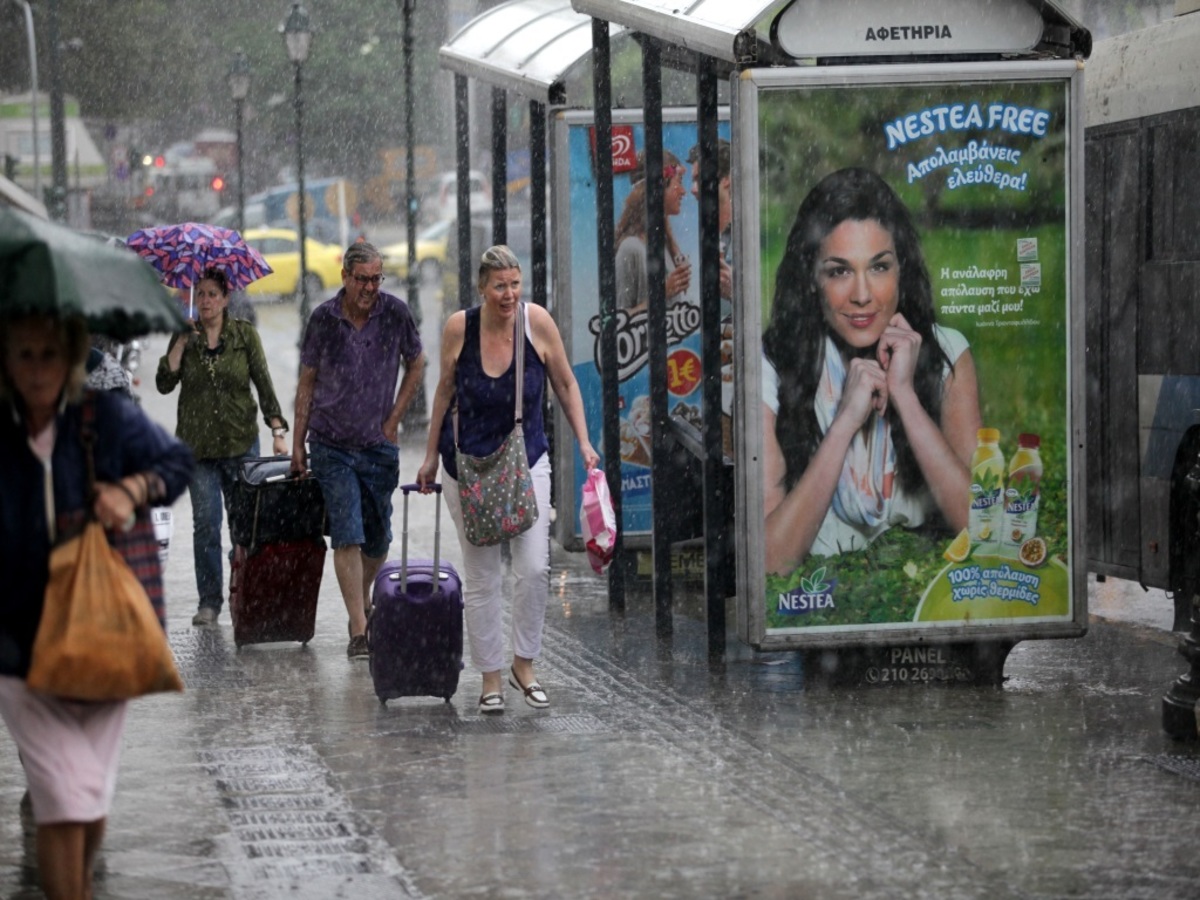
{"x":986,"y":515}
{"x":1023,"y":494}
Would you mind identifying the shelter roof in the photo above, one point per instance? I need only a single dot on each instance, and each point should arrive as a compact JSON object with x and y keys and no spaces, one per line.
{"x":722,"y":29}
{"x":12,"y":194}
{"x":726,"y":29}
{"x":525,"y":46}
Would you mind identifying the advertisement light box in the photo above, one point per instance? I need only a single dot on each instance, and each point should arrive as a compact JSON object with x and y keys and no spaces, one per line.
{"x":909,"y":399}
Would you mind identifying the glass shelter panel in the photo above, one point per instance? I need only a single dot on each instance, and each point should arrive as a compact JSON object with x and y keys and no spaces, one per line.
{"x":577,"y":294}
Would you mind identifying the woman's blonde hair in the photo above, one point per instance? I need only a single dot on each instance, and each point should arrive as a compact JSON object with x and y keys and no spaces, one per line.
{"x":73,"y":336}
{"x":496,"y":259}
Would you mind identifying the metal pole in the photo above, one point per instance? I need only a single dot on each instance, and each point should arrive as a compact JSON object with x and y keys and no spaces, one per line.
{"x":537,"y":198}
{"x":606,"y":268}
{"x":33,"y":99}
{"x":710,"y":353}
{"x":241,"y":187}
{"x":1181,"y":705}
{"x":301,"y":205}
{"x":58,"y":136}
{"x":656,"y":327}
{"x":416,"y":417}
{"x":462,"y":143}
{"x":410,"y":188}
{"x":499,"y":167}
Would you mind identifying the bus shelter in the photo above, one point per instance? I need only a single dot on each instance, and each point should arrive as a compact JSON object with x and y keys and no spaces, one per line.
{"x":526,"y":48}
{"x":532,"y":49}
{"x":920,"y":523}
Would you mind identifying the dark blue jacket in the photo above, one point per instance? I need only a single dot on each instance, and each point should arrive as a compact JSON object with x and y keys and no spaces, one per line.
{"x":126,"y":442}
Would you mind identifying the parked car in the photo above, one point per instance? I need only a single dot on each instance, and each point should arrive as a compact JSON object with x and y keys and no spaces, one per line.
{"x":256,"y":216}
{"x":440,"y":198}
{"x":281,"y":249}
{"x":431,"y":253}
{"x":519,"y":239}
{"x":320,"y":228}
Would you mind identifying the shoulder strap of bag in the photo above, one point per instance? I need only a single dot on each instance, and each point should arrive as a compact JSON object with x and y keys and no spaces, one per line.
{"x":519,"y":340}
{"x":87,"y":435}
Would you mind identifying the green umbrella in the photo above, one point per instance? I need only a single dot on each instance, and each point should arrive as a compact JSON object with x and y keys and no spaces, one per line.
{"x":47,"y":268}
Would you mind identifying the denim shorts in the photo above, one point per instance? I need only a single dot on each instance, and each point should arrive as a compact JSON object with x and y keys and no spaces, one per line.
{"x":358,"y":487}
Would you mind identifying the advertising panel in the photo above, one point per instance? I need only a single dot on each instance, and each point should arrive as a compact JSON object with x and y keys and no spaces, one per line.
{"x":577,"y":294}
{"x":911,"y":239}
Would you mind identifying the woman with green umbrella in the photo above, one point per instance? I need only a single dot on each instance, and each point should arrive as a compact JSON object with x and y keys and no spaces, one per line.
{"x":215,"y":366}
{"x":51,"y":278}
{"x":69,"y":749}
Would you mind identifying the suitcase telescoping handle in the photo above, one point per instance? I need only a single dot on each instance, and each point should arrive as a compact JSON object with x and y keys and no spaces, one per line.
{"x":437,"y":536}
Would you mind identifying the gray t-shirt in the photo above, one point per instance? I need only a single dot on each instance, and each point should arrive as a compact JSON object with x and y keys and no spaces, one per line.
{"x":633,"y":287}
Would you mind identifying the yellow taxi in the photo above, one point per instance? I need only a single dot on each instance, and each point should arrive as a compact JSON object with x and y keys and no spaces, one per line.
{"x":280,"y":247}
{"x":431,"y":253}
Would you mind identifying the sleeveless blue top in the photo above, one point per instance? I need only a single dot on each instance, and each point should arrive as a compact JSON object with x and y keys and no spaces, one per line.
{"x":485,"y":404}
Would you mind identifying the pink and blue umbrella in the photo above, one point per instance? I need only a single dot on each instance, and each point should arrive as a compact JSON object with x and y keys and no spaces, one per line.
{"x":182,"y":253}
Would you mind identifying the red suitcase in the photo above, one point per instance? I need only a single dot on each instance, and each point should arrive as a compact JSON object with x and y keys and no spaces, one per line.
{"x":273,"y":591}
{"x":279,"y":553}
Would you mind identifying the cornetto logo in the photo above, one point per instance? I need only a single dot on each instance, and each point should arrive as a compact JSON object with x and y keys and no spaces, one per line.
{"x":909,"y":33}
{"x":633,"y":343}
{"x":633,"y":348}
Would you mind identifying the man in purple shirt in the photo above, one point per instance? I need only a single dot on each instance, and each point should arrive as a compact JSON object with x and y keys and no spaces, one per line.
{"x":348,"y":408}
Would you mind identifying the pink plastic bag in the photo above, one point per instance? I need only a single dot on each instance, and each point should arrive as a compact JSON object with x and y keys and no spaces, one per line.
{"x":597,"y":521}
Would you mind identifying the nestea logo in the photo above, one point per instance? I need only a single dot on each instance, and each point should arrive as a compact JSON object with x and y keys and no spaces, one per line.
{"x":815,"y":593}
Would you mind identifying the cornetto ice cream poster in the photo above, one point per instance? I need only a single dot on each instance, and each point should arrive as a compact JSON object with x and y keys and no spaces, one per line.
{"x":914,"y":278}
{"x":683,"y":311}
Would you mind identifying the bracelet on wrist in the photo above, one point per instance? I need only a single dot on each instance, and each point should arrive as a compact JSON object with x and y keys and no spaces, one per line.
{"x":128,"y":493}
{"x":279,"y":432}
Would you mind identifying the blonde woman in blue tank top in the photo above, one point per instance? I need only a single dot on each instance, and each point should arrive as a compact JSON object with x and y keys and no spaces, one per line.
{"x":478,"y":370}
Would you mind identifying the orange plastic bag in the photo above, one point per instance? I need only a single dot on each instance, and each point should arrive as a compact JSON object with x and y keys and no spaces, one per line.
{"x":99,"y":638}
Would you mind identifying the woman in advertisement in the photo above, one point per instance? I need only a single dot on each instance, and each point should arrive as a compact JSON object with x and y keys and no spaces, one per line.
{"x":870,"y":408}
{"x":633,"y":292}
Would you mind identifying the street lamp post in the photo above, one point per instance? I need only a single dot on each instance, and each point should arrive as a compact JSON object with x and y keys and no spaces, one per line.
{"x":297,"y":37}
{"x":33,"y":97}
{"x":1181,"y":705}
{"x":416,"y":416}
{"x":58,"y":134}
{"x":239,"y":88}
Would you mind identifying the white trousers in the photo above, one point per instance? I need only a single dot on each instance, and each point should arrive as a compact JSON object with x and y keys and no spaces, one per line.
{"x":483,"y":580}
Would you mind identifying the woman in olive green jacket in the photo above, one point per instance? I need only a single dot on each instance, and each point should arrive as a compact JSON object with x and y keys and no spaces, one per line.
{"x":215,"y":365}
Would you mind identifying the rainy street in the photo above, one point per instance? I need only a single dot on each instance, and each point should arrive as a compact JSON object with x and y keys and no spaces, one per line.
{"x":653,"y":774}
{"x":878,"y":315}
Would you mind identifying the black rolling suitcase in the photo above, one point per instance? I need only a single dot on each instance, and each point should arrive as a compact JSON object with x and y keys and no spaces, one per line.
{"x":415,"y":630}
{"x":277,"y":523}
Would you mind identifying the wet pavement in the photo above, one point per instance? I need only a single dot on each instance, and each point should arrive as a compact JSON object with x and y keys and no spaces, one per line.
{"x":653,"y":774}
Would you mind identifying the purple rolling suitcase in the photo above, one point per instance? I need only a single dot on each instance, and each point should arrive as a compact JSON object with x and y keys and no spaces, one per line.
{"x":415,"y":630}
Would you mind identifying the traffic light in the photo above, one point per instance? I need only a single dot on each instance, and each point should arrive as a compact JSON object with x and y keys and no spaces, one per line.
{"x":218,"y":183}
{"x":10,"y":166}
